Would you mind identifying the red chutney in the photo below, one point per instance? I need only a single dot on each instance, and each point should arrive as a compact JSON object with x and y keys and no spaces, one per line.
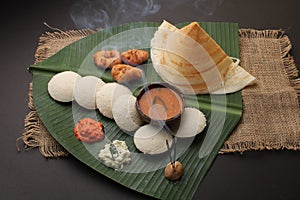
{"x":89,"y":130}
{"x":161,"y":103}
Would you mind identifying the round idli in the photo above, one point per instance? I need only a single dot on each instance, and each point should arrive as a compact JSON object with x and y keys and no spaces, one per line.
{"x":151,"y":139}
{"x":107,"y":95}
{"x":192,"y":122}
{"x":85,"y":91}
{"x":125,"y":113}
{"x":61,"y":85}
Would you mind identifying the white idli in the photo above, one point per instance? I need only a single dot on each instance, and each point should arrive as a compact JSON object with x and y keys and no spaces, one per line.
{"x":192,"y":122}
{"x":125,"y":113}
{"x":106,"y":96}
{"x":85,"y":91}
{"x":151,"y":139}
{"x":61,"y":85}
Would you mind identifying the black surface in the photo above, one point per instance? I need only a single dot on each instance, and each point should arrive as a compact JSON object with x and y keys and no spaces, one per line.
{"x":28,"y":175}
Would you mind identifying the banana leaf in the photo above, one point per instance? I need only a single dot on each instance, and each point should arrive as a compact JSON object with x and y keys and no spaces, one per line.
{"x":144,"y":174}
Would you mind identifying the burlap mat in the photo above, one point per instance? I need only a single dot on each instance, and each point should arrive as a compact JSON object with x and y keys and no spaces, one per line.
{"x":271,"y":113}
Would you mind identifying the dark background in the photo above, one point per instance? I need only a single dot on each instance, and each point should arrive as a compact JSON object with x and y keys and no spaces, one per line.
{"x":28,"y":175}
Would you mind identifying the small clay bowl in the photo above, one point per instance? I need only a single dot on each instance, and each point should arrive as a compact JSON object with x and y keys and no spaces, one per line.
{"x":172,"y":121}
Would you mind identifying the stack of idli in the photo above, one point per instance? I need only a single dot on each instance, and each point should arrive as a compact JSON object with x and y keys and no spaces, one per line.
{"x":91,"y":92}
{"x":68,"y":86}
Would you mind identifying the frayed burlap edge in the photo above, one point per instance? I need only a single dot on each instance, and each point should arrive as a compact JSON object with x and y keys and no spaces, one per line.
{"x":35,"y":133}
{"x":294,"y":80}
{"x":46,"y":41}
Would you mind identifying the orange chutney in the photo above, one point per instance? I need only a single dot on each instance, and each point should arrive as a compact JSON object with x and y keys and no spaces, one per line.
{"x":161,"y":103}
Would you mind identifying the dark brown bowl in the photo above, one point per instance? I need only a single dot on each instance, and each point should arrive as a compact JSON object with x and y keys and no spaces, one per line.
{"x":171,"y":122}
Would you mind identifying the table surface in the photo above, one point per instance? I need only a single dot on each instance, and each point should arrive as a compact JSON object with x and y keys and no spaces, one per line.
{"x":28,"y":175}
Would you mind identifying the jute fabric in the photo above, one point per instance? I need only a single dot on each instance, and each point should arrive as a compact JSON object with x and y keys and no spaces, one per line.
{"x":271,"y":113}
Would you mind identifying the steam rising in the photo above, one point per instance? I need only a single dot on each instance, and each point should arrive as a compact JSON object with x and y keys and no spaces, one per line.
{"x":207,"y":7}
{"x":103,"y":14}
{"x":95,"y":14}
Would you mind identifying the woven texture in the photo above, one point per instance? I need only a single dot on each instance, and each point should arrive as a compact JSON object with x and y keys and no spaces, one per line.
{"x":271,"y":113}
{"x":35,"y":134}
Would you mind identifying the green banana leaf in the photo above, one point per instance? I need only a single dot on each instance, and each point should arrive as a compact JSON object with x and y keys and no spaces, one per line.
{"x":222,"y":112}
